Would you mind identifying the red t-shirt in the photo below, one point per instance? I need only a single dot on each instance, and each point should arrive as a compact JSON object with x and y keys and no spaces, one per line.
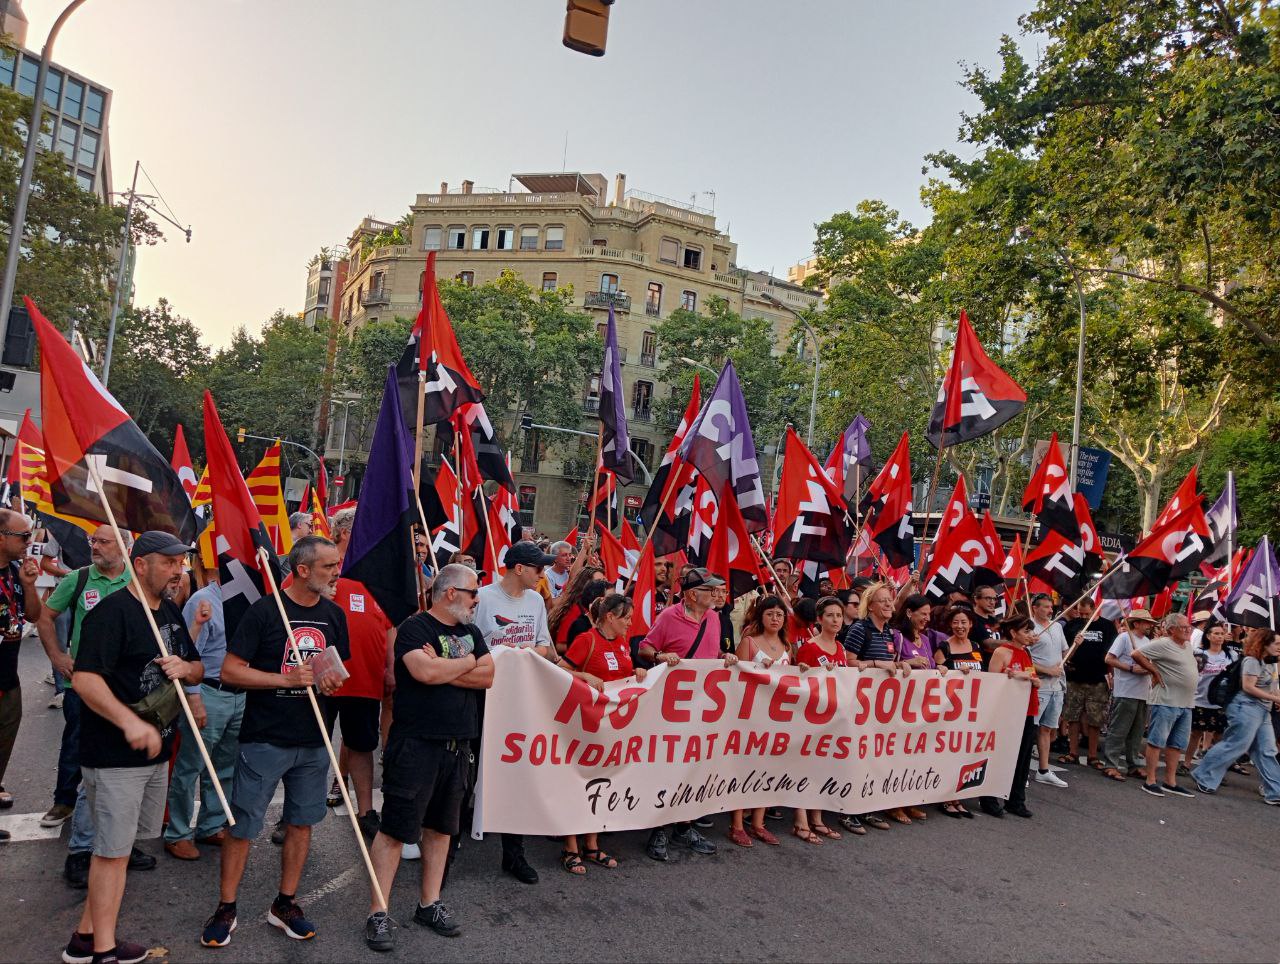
{"x":811,"y":654}
{"x":610,"y":659}
{"x":1020,"y":659}
{"x":367,"y":626}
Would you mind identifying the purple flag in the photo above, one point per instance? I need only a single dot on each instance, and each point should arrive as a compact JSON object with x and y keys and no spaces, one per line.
{"x":851,"y":454}
{"x":1253,"y":600}
{"x":615,"y":452}
{"x":1222,"y":519}
{"x":720,"y":446}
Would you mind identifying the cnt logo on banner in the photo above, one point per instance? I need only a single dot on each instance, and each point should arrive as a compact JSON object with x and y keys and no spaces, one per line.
{"x":560,"y":757}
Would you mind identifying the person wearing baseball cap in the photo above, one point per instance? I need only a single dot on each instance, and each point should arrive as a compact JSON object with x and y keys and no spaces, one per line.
{"x":1130,"y":685}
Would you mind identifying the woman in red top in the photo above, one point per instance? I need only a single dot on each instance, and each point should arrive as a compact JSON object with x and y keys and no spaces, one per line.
{"x":1012,"y":659}
{"x":825,"y":651}
{"x":570,"y":606}
{"x":598,"y":656}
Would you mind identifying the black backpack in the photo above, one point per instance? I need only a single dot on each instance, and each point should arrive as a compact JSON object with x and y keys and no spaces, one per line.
{"x":1225,"y":686}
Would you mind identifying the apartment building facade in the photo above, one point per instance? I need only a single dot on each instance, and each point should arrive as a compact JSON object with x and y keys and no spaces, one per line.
{"x":642,"y":254}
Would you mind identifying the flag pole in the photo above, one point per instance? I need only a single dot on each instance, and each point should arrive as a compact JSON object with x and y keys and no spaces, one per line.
{"x":418,"y":429}
{"x":155,"y":631}
{"x":928,"y":501}
{"x":1084,"y":629}
{"x":764,"y":557}
{"x":649,"y":531}
{"x":1231,"y":529}
{"x":488,"y":538}
{"x":1115,"y":567}
{"x":264,"y":561}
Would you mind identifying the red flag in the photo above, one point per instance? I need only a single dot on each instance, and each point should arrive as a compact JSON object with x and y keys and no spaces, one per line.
{"x":976,"y":396}
{"x":995,"y":548}
{"x":322,"y":485}
{"x":890,"y":499}
{"x":1013,"y":569}
{"x":810,"y":522}
{"x":571,"y":537}
{"x":612,"y":556}
{"x":957,"y":557}
{"x":1048,"y":494}
{"x":181,"y":463}
{"x":644,"y":594}
{"x":1162,"y":605}
{"x":604,"y":498}
{"x":82,"y":423}
{"x":730,"y":555}
{"x":956,"y":509}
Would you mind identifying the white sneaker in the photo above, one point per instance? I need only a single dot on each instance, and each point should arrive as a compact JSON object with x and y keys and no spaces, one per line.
{"x":1050,"y":778}
{"x":410,"y":851}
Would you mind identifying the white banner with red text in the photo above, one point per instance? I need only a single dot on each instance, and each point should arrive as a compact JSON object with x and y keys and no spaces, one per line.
{"x":559,"y":757}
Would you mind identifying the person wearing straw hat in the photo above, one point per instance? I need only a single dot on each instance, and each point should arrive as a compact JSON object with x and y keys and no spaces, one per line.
{"x":1130,"y":685}
{"x":127,"y":727}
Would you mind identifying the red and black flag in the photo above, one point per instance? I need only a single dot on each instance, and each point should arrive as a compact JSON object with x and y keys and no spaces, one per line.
{"x":181,"y":463}
{"x":810,"y":521}
{"x":889,"y":499}
{"x":957,"y":559}
{"x":995,"y":549}
{"x":1012,"y":570}
{"x":238,"y":529}
{"x":604,"y":498}
{"x":1059,"y":563}
{"x":702,"y":522}
{"x":671,"y":492}
{"x":490,"y":456}
{"x":1048,"y":495}
{"x":644,"y":594}
{"x":1095,"y":556}
{"x":613,"y":557}
{"x":433,"y":350}
{"x":1154,"y":562}
{"x":83,"y":423}
{"x":976,"y":396}
{"x":1186,"y":493}
{"x":731,"y":555}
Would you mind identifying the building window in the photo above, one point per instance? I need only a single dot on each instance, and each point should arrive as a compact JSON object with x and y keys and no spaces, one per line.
{"x":609,"y":283}
{"x":693,"y":258}
{"x":6,"y":68}
{"x":431,"y":239}
{"x":85,"y":180}
{"x":649,"y":349}
{"x":600,"y":242}
{"x":479,"y":239}
{"x":67,"y":140}
{"x":527,"y":498}
{"x":529,"y":239}
{"x":323,"y":297}
{"x":73,"y":99}
{"x":555,"y":239}
{"x":93,"y":107}
{"x":653,"y":299}
{"x":52,"y":88}
{"x":643,"y":450}
{"x":88,"y":149}
{"x":642,"y":400}
{"x":669,"y":251}
{"x":591,"y":402}
{"x":27,"y":76}
{"x":468,"y":278}
{"x":505,"y":238}
{"x":689,"y":300}
{"x":457,"y":237}
{"x":531,"y":454}
{"x":548,"y":281}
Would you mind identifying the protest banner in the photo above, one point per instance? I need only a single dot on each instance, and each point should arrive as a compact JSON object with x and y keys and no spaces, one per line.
{"x":559,"y":757}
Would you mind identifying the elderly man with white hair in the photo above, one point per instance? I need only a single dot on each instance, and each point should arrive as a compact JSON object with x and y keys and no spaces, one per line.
{"x":556,"y":576}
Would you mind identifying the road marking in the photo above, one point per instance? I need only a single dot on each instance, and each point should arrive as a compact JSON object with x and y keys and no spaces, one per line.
{"x":26,"y":826}
{"x":343,"y":879}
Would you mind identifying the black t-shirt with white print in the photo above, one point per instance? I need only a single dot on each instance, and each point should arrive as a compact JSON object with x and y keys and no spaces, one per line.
{"x":283,"y":717}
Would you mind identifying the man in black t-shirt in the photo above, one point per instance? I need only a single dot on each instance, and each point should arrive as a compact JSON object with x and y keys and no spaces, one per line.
{"x":986,"y":623}
{"x":1086,"y":671}
{"x":441,"y":661}
{"x":18,"y":602}
{"x":127,"y":726}
{"x":280,"y":739}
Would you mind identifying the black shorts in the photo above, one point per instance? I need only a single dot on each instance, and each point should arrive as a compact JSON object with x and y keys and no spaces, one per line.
{"x":423,"y":785}
{"x":358,"y":718}
{"x":1211,"y":720}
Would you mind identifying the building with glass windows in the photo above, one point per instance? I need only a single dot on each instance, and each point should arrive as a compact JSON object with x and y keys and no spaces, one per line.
{"x":76,"y":109}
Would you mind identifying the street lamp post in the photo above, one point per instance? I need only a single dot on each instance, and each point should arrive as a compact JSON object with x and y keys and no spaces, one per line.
{"x":342,"y":449}
{"x":648,"y":476}
{"x":19,"y":219}
{"x":817,"y":368}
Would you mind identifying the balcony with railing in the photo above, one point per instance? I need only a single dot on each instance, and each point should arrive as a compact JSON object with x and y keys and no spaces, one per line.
{"x":378,"y":296}
{"x":651,"y":309}
{"x":642,"y":413}
{"x":649,"y":359}
{"x":591,"y":404}
{"x":629,"y":255}
{"x":603,"y":299}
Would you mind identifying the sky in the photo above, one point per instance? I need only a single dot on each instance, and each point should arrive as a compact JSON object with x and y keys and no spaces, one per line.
{"x":273,"y":126}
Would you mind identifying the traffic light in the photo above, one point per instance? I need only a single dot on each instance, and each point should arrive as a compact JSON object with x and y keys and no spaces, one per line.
{"x":586,"y":25}
{"x":240,"y":434}
{"x":526,"y":421}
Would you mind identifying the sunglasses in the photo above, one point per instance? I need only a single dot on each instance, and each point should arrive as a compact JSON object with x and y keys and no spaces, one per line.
{"x":473,"y":593}
{"x":24,"y":536}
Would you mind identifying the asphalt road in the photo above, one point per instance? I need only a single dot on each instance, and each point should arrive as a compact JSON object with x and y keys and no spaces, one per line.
{"x":1102,"y":872}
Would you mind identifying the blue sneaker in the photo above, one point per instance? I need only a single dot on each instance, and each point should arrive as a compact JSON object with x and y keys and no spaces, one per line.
{"x":218,"y":928}
{"x":288,"y":917}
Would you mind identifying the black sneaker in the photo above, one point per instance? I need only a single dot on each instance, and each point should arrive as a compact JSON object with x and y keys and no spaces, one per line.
{"x":79,"y":950}
{"x":278,"y":832}
{"x":992,"y":809}
{"x":76,"y":870}
{"x":438,"y":918}
{"x":1203,"y":789}
{"x":369,"y":824}
{"x":1153,"y":789}
{"x":1175,"y":790}
{"x":141,"y":860}
{"x":334,"y":797}
{"x":1018,"y":810}
{"x":290,"y":919}
{"x":377,"y":932}
{"x":520,"y":869}
{"x":656,"y":848}
{"x":218,"y":928}
{"x":694,"y":841}
{"x":704,"y":823}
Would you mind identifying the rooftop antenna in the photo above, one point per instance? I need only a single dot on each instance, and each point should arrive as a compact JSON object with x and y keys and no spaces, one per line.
{"x":564,"y":161}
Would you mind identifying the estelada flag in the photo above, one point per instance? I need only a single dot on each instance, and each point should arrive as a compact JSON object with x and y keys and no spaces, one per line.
{"x":1048,"y":495}
{"x":1152,"y":564}
{"x":433,"y":349}
{"x":240,"y":532}
{"x":319,"y":521}
{"x":29,"y":436}
{"x":730,"y":555}
{"x":671,"y":531}
{"x":268,"y":496}
{"x":976,"y":396}
{"x":181,"y":462}
{"x":889,"y":499}
{"x":203,"y":495}
{"x":1058,"y":563}
{"x":810,"y":521}
{"x":83,"y":423}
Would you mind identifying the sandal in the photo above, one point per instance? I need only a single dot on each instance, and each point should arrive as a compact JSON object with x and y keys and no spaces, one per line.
{"x":600,"y":858}
{"x":808,"y":836}
{"x":1066,"y":759}
{"x":967,"y":814}
{"x":915,"y":813}
{"x":1097,"y":764}
{"x":826,"y":831}
{"x":763,"y":835}
{"x":571,"y":861}
{"x":1111,"y":773}
{"x":1184,"y":770}
{"x":739,"y":837}
{"x":898,"y":816}
{"x":1240,"y":768}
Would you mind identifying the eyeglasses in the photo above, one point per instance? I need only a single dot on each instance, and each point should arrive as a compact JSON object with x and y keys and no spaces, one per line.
{"x":95,"y":541}
{"x":473,"y":593}
{"x":24,"y":536}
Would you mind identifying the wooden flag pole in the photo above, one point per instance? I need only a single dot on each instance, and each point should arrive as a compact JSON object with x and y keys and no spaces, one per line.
{"x":648,"y":536}
{"x":155,"y":631}
{"x":928,"y":500}
{"x":418,"y":430}
{"x":265,"y":565}
{"x":1084,"y":629}
{"x":764,"y":557}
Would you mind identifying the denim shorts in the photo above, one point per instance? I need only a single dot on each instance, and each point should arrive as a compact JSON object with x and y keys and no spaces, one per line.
{"x":260,"y":768}
{"x":1050,"y":708}
{"x":1169,"y":727}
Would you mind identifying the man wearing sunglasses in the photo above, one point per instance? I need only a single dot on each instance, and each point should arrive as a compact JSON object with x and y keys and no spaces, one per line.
{"x":18,"y":603}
